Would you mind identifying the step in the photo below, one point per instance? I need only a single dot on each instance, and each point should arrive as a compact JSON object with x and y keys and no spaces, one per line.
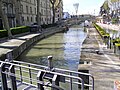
{"x":30,"y":88}
{"x":21,"y":86}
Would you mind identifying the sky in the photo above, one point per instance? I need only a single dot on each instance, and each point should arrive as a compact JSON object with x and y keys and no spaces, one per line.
{"x":85,"y":6}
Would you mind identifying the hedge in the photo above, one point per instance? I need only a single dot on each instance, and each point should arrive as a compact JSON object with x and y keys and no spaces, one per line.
{"x":101,"y":31}
{"x":14,"y":31}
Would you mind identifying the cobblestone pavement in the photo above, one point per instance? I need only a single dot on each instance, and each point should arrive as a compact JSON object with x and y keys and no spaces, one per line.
{"x":105,"y":66}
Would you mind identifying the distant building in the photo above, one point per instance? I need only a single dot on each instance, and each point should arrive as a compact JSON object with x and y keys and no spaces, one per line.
{"x":66,"y":15}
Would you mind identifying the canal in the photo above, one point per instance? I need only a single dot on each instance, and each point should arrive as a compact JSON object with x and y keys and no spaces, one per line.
{"x":65,"y":47}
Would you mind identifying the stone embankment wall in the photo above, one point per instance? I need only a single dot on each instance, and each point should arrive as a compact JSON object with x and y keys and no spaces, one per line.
{"x":15,"y":52}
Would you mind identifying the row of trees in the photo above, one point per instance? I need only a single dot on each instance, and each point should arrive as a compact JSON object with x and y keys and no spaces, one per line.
{"x":111,"y":10}
{"x":54,"y":5}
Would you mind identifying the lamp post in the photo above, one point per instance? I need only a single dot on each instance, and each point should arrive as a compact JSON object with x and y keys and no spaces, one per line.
{"x":110,"y":39}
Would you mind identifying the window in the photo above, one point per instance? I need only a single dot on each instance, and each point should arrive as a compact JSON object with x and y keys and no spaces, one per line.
{"x":35,"y":2}
{"x":21,"y":8}
{"x":35,"y":11}
{"x":26,"y":9}
{"x":22,"y":19}
{"x":5,"y":8}
{"x":41,"y":4}
{"x":42,"y":11}
{"x":10,"y":8}
{"x":31,"y":10}
{"x":28,"y":19}
{"x":31,"y":19}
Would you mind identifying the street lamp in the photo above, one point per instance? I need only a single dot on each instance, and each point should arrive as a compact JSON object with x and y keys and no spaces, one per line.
{"x":110,"y":39}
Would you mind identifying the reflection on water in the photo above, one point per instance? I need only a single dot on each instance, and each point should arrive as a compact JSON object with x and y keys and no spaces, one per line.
{"x":64,"y":47}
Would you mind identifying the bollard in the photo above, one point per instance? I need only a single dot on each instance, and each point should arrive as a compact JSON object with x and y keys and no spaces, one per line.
{"x":50,"y":64}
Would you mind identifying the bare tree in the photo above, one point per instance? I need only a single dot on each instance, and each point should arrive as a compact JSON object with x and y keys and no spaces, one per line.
{"x":55,"y":4}
{"x":5,"y":20}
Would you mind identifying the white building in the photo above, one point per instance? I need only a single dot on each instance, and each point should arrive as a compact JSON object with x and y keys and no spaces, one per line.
{"x":66,"y":15}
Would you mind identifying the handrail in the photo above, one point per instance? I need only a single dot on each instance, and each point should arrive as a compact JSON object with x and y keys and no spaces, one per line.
{"x":62,"y":70}
{"x":45,"y":71}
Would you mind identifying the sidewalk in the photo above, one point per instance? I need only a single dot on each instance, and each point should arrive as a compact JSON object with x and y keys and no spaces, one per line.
{"x":105,"y":67}
{"x":110,"y":26}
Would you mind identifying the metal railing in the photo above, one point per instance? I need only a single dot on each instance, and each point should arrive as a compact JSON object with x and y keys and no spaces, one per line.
{"x":40,"y":76}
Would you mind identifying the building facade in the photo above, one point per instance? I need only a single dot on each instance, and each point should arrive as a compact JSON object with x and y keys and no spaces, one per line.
{"x":28,"y":12}
{"x":45,"y":10}
{"x":59,"y":12}
{"x":9,"y":10}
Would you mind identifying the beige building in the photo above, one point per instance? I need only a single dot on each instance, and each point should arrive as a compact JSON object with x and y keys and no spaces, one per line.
{"x":59,"y":12}
{"x":28,"y":12}
{"x":45,"y":10}
{"x":28,"y":9}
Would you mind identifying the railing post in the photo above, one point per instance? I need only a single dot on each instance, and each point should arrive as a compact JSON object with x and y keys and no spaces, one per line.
{"x":40,"y":80}
{"x":30,"y":75}
{"x":50,"y":63}
{"x":20,"y":74}
{"x":3,"y":77}
{"x":55,"y":82}
{"x":70,"y":81}
{"x":13,"y":78}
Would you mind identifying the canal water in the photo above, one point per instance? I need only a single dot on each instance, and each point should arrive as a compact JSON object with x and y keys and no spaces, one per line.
{"x":64,"y":47}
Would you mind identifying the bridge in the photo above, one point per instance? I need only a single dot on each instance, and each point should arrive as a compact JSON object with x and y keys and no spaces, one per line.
{"x":17,"y":75}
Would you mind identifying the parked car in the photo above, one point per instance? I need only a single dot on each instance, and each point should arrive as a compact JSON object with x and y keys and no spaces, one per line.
{"x":35,"y":28}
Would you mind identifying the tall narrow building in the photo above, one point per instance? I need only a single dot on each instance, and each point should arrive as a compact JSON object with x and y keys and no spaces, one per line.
{"x":59,"y":12}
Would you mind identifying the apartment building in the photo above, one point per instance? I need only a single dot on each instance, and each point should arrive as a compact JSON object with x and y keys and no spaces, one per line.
{"x":45,"y":10}
{"x":28,"y":12}
{"x":9,"y":10}
{"x":59,"y":12}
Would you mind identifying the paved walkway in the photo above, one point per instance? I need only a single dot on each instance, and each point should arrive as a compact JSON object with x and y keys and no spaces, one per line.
{"x":110,"y":26}
{"x":10,"y":44}
{"x":105,"y":67}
